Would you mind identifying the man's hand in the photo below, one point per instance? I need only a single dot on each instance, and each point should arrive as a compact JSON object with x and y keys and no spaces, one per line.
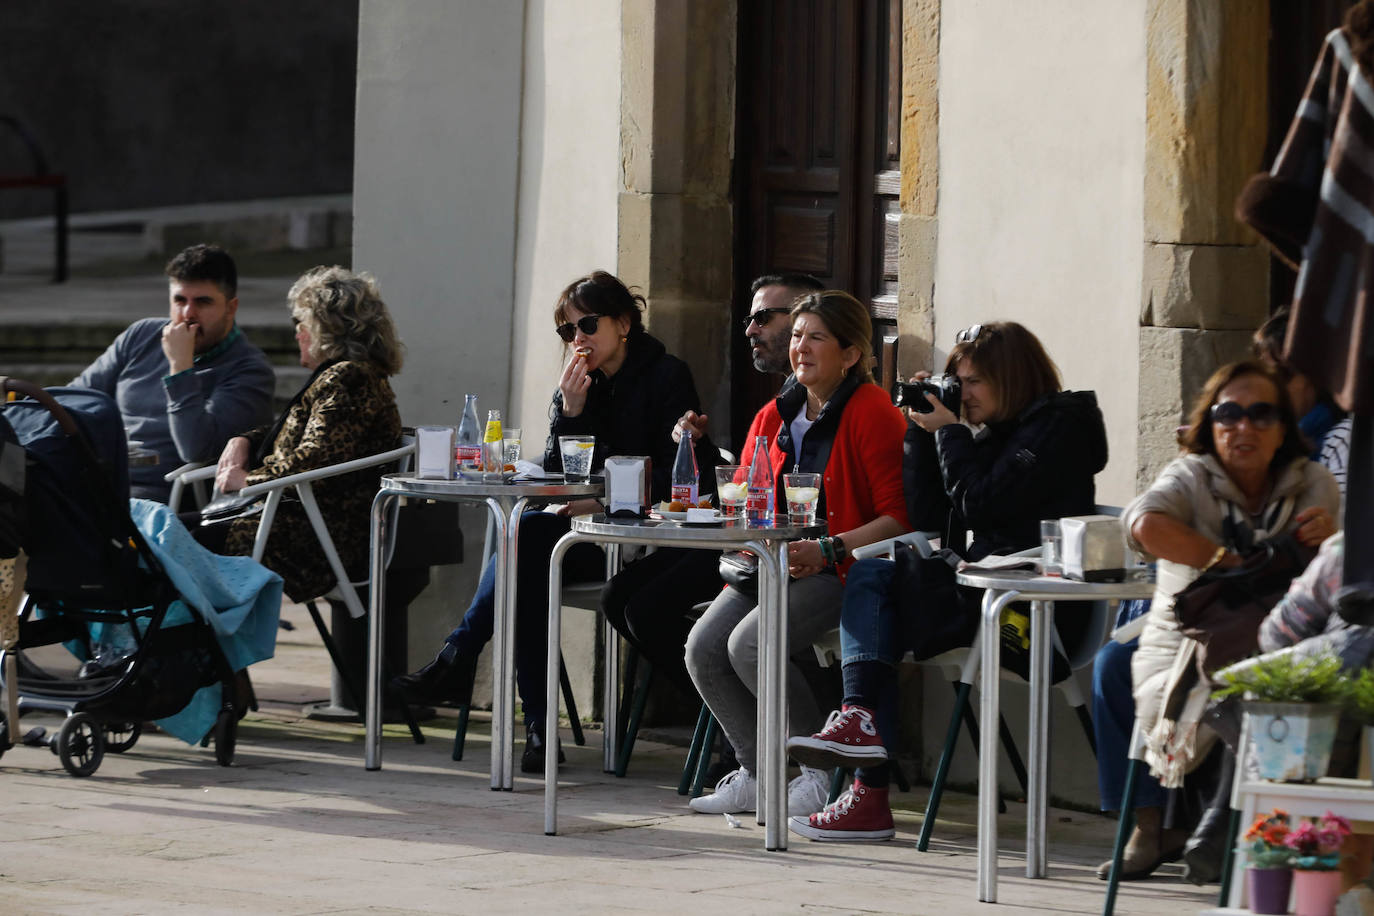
{"x":179,"y":345}
{"x":579,"y":507}
{"x":231,"y":473}
{"x":693,"y":421}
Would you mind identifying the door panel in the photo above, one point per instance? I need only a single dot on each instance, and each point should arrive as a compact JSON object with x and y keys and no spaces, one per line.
{"x":817,"y":173}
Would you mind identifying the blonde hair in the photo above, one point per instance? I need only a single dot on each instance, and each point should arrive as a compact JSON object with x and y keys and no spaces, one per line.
{"x":346,"y":317}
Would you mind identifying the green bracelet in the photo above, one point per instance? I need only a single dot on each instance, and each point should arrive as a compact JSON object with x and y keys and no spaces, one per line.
{"x":827,"y":549}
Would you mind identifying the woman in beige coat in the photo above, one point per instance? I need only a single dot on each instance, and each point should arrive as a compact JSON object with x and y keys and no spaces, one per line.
{"x":1244,"y":477}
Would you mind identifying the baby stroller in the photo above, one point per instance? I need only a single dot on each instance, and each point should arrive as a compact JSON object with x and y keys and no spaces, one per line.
{"x":93,"y":585}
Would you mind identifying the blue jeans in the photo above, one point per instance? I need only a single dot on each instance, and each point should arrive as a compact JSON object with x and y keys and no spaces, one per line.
{"x":1113,"y":717}
{"x":539,"y":531}
{"x":870,"y":633}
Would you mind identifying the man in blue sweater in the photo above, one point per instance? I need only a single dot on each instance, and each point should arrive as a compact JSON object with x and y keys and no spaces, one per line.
{"x":186,"y":385}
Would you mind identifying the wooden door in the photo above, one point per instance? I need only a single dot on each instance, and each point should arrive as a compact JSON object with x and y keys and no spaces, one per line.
{"x":817,"y":163}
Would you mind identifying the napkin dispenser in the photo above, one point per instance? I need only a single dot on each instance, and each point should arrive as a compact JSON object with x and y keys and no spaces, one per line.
{"x":1094,"y":548}
{"x":434,"y":452}
{"x":627,"y":485}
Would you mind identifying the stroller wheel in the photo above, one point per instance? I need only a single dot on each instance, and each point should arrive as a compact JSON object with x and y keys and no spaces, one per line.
{"x":120,"y":736}
{"x":80,"y":744}
{"x":226,"y":736}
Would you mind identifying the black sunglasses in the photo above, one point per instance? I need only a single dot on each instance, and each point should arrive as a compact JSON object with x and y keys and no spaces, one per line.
{"x":763,"y":316}
{"x":586,"y":324}
{"x":1262,"y":414}
{"x":968,"y":334}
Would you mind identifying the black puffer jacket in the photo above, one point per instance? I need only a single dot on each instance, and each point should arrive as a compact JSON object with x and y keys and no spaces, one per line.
{"x":1001,"y":483}
{"x":633,"y":413}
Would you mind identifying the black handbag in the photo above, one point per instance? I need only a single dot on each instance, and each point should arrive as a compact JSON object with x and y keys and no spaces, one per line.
{"x":1223,"y":609}
{"x":740,"y":568}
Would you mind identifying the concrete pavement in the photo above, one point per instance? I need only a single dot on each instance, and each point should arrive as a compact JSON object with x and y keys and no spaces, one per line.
{"x":298,"y":826}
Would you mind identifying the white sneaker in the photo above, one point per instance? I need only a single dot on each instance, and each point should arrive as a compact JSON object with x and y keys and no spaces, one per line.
{"x":808,"y":793}
{"x":736,"y":792}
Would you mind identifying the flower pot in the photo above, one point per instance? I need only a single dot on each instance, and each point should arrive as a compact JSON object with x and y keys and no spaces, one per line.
{"x":1292,"y":741}
{"x":1267,"y":889}
{"x":1315,"y":892}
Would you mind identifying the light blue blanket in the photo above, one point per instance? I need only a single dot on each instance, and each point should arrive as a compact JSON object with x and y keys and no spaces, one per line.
{"x":240,"y":598}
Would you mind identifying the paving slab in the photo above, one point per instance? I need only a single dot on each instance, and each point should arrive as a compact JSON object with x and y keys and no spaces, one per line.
{"x":298,"y":826}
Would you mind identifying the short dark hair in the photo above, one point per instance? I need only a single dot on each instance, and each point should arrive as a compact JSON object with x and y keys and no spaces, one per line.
{"x":1013,"y":361}
{"x":1267,"y":344}
{"x":600,"y":293}
{"x":1199,"y":439}
{"x":796,"y":281}
{"x":205,"y":263}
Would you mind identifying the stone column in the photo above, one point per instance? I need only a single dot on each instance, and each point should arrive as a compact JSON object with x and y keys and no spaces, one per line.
{"x":920,"y":158}
{"x":675,"y":212}
{"x":1205,"y":285}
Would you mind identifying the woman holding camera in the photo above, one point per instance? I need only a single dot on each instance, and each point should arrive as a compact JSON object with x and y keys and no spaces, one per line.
{"x":832,"y":420}
{"x":1034,"y":458}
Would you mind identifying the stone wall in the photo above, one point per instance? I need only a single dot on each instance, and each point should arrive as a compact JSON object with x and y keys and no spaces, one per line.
{"x":1205,"y":283}
{"x":676,"y":152}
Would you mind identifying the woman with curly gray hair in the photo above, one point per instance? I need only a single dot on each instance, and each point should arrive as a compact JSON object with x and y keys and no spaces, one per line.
{"x":345,"y":411}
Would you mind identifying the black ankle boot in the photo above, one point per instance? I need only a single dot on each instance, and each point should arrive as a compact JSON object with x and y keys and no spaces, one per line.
{"x":532,"y":760}
{"x":447,"y":679}
{"x":1206,"y":848}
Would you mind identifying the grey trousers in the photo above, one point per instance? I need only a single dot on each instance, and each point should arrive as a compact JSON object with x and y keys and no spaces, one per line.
{"x":723,"y":651}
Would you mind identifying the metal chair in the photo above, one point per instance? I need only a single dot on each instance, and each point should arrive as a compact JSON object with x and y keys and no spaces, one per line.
{"x":345,"y":590}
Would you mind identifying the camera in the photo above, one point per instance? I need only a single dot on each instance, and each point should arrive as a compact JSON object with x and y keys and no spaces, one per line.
{"x":913,"y":394}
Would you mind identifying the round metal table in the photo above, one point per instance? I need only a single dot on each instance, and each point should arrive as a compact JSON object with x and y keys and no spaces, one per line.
{"x":506,"y":500}
{"x":769,"y":544}
{"x":1003,"y":587}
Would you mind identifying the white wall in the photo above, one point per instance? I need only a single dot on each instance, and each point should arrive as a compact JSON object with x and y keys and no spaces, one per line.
{"x":437,"y":146}
{"x":569,"y":181}
{"x":1042,"y":152}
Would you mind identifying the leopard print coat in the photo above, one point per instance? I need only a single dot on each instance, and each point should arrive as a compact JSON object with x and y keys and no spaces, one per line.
{"x":348,"y":411}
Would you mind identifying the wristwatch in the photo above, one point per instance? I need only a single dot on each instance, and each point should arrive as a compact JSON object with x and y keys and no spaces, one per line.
{"x":837,"y":545}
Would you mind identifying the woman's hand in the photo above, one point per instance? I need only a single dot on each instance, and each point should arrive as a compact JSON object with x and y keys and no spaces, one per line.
{"x":579,"y":507}
{"x":804,"y":558}
{"x":919,"y":376}
{"x":938,"y":417}
{"x":1314,"y":526}
{"x":693,"y":421}
{"x":574,"y":383}
{"x":231,"y":473}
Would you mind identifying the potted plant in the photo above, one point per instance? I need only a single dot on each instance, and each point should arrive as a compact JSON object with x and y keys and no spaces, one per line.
{"x":1293,"y":704}
{"x":1317,"y":856}
{"x":1267,"y":876}
{"x":1362,"y":708}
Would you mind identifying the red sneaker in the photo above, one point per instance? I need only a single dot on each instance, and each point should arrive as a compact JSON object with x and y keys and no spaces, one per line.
{"x":849,"y":739}
{"x":861,"y":813}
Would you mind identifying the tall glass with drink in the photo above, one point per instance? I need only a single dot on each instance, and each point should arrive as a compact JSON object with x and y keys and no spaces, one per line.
{"x":731,"y":489}
{"x":510,"y":445}
{"x":803,"y":492}
{"x":577,"y":457}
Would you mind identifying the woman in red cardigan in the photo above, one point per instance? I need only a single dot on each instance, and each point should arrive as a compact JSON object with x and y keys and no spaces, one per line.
{"x":830,"y":418}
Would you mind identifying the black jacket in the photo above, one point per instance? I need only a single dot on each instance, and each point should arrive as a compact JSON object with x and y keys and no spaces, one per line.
{"x":633,"y":413}
{"x":1001,"y":483}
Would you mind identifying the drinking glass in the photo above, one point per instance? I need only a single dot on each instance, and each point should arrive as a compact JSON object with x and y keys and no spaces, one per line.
{"x":577,"y":457}
{"x":510,"y":445}
{"x":731,"y":489}
{"x":1051,"y":559}
{"x":803,"y":491}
